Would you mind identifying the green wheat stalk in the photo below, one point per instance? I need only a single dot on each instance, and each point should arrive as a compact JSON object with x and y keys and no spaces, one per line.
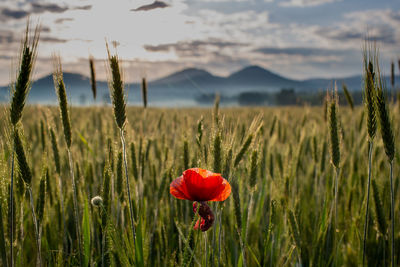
{"x":64,"y":114}
{"x":368,"y":97}
{"x":26,"y":176}
{"x":116,"y":86}
{"x":334,"y":149}
{"x":388,"y":142}
{"x":20,"y":90}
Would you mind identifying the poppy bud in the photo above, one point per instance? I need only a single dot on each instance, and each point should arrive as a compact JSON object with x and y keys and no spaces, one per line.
{"x":206,"y":214}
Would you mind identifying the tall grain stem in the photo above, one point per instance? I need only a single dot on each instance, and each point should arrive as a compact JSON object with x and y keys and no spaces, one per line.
{"x":11,"y":216}
{"x":127,"y":185}
{"x":35,"y":223}
{"x":335,"y":208}
{"x":371,"y":143}
{"x":76,"y":212}
{"x":392,"y":208}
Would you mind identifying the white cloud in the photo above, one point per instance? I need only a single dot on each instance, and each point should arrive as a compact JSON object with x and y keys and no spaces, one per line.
{"x":305,"y":3}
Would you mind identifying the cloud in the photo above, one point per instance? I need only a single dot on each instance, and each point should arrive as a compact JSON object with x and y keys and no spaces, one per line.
{"x":23,"y":11}
{"x":62,"y":20}
{"x":87,"y":7}
{"x":53,"y":8}
{"x":154,"y":5}
{"x":50,"y":39}
{"x":297,"y":51}
{"x":381,"y":33}
{"x":193,"y":48}
{"x":6,"y":37}
{"x":13,"y":14}
{"x":305,"y":3}
{"x":380,"y":25}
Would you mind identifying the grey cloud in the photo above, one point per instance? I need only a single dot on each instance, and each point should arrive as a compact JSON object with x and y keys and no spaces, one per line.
{"x":5,"y":57}
{"x":87,"y":7}
{"x":62,"y":20}
{"x":297,"y":51}
{"x":14,"y":14}
{"x":6,"y":37}
{"x":192,"y":48}
{"x":50,"y":39}
{"x":41,"y":8}
{"x":37,"y":8}
{"x":154,"y":5}
{"x":45,"y":29}
{"x":379,"y":33}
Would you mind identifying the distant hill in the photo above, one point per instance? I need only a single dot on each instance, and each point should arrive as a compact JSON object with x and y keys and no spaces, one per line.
{"x":257,"y":76}
{"x":184,"y":87}
{"x":191,"y":75}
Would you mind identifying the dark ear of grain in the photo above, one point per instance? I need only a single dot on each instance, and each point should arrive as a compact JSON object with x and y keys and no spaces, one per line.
{"x":93,"y":77}
{"x":380,"y":213}
{"x":144,"y":92}
{"x":56,"y":153}
{"x":334,"y":133}
{"x":384,"y":121}
{"x":369,"y":94}
{"x":116,"y":86}
{"x":23,"y":83}
{"x":62,"y":99}
{"x":348,"y":96}
{"x":24,"y":169}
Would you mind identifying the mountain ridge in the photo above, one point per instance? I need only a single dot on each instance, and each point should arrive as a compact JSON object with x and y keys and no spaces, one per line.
{"x":187,"y":83}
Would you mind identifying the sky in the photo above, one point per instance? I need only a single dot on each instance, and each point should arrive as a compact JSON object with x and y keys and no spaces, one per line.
{"x":298,"y":39}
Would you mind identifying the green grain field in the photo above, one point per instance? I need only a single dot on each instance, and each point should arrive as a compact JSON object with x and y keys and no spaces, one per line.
{"x":284,"y":220}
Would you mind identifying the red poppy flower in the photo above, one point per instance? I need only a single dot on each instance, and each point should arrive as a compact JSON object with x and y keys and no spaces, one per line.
{"x":200,"y":185}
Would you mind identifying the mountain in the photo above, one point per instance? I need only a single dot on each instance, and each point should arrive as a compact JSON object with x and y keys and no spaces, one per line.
{"x":191,"y":75}
{"x":78,"y":89}
{"x":185,"y":87}
{"x":257,"y":76}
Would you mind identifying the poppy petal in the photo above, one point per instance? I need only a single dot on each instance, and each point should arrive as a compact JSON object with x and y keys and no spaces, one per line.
{"x":202,"y":185}
{"x":225,"y":192}
{"x":178,"y":189}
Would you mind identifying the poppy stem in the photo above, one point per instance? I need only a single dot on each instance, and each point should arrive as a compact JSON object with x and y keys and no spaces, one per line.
{"x":186,"y":260}
{"x":219,"y":214}
{"x":206,"y":249}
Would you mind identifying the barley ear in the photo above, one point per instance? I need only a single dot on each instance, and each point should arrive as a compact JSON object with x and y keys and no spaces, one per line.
{"x":384,"y":118}
{"x":120,"y":179}
{"x":24,"y":169}
{"x":348,"y":96}
{"x":22,"y":84}
{"x":62,"y":99}
{"x":380,"y":213}
{"x":217,"y":153}
{"x":369,"y":91}
{"x":236,"y":201}
{"x":253,"y":169}
{"x":144,"y":92}
{"x":334,"y":131}
{"x":41,"y":198}
{"x":92,"y":76}
{"x":56,"y":153}
{"x":116,"y":87}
